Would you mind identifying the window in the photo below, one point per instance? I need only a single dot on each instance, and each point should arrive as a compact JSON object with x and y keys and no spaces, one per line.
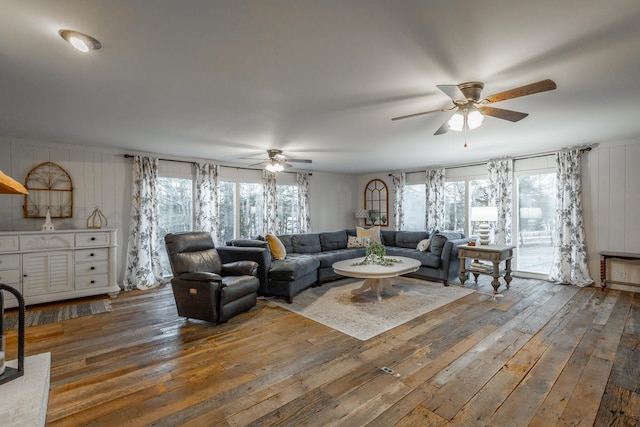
{"x":536,"y":222}
{"x":227,"y":203}
{"x":415,"y":202}
{"x":287,"y":200}
{"x":478,"y":196}
{"x":454,"y":208}
{"x":250,"y":206}
{"x":175,"y":196}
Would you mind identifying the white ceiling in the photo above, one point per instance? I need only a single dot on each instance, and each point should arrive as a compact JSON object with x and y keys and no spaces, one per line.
{"x":320,"y":79}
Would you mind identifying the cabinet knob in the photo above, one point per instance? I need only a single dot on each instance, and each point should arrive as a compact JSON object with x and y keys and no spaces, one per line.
{"x":93,"y":238}
{"x":93,"y":281}
{"x":91,"y":254}
{"x":25,"y":275}
{"x":92,"y":268}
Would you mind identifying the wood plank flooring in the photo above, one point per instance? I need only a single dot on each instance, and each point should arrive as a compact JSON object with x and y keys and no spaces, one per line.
{"x":542,"y":355}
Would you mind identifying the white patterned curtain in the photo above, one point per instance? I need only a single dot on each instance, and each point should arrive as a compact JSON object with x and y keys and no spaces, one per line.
{"x":569,"y":265}
{"x":269,"y":202}
{"x":207,"y":210}
{"x":143,"y":270}
{"x":304,"y":220}
{"x":435,"y":181}
{"x":399,"y":181}
{"x":500,"y":196}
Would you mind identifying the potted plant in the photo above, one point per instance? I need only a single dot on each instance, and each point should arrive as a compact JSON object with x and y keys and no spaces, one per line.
{"x":376,"y":254}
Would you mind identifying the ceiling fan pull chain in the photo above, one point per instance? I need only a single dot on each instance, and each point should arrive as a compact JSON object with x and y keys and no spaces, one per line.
{"x":465,"y":132}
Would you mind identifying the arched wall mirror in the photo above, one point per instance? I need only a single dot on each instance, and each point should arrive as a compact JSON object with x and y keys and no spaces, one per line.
{"x":50,"y":190}
{"x":376,"y":202}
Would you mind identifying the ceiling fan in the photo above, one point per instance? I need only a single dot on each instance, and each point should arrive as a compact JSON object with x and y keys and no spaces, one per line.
{"x":278,"y":161}
{"x":471,"y":108}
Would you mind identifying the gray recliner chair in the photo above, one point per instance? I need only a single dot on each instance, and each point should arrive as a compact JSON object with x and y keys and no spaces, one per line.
{"x":204,"y":287}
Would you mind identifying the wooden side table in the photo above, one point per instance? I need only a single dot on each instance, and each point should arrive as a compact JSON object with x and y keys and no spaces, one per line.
{"x":493,"y":253}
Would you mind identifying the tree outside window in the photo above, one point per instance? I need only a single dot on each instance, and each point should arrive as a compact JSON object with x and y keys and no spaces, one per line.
{"x":175,"y":203}
{"x":288,"y":215}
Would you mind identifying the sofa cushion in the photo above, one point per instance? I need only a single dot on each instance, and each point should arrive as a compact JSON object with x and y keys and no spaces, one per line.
{"x":410,"y":239}
{"x":426,"y":258}
{"x":327,"y":259}
{"x":286,"y":241}
{"x":293,"y":267}
{"x":276,"y":247}
{"x":351,"y":232}
{"x":306,"y":243}
{"x":388,"y":237}
{"x":248,"y":243}
{"x":437,"y":243}
{"x":334,"y":240}
{"x":373,"y":233}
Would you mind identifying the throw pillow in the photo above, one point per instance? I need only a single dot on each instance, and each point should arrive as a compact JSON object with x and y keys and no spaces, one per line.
{"x":277,"y":248}
{"x":357,"y":242}
{"x":372,"y":233}
{"x":423,"y":245}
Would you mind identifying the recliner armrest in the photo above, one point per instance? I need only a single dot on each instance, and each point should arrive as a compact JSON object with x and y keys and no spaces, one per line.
{"x":240,"y":268}
{"x":199,"y":276}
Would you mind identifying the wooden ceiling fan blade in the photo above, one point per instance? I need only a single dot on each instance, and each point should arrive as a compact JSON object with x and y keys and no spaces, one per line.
{"x":453,"y":92}
{"x":530,"y":89}
{"x":423,"y":113}
{"x":501,"y":113}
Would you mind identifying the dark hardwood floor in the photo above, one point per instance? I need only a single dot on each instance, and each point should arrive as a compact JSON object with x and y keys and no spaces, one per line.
{"x":542,"y":355}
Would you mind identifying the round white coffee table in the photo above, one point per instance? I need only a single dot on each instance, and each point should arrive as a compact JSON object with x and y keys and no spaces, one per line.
{"x":377,"y":276}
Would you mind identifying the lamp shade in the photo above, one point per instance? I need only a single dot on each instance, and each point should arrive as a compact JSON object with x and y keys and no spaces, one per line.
{"x":9,"y":185}
{"x":484,"y":213}
{"x":361,"y":213}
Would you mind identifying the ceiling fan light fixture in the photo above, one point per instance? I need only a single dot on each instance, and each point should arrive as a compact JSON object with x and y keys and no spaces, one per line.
{"x":274,"y":166}
{"x":82,"y":42}
{"x":474,"y":118}
{"x":456,"y":122}
{"x":467,"y":117}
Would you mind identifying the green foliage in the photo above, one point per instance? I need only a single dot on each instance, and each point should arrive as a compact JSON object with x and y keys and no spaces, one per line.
{"x":376,"y":254}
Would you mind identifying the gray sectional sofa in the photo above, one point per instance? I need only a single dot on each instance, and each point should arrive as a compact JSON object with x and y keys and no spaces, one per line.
{"x":310,"y":257}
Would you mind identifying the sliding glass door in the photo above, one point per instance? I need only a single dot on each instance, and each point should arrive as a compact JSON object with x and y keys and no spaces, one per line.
{"x":536,"y":222}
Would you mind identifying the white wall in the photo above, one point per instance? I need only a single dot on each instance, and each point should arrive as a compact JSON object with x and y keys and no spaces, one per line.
{"x":102,"y":177}
{"x":611,"y":200}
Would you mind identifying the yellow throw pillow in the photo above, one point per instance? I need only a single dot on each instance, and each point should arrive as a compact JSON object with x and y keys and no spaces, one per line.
{"x":278,"y":250}
{"x":372,"y":233}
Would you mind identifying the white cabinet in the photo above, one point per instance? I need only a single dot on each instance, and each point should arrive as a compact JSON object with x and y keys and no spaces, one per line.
{"x":58,"y":265}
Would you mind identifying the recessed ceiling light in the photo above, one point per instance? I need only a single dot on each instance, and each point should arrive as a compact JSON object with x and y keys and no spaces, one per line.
{"x":82,"y":42}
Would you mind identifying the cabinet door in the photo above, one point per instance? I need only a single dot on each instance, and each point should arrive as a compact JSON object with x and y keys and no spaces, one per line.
{"x":47,"y":273}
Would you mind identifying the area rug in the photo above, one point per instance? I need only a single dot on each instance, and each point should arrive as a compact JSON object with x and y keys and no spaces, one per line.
{"x":362,"y":316}
{"x":42,"y":316}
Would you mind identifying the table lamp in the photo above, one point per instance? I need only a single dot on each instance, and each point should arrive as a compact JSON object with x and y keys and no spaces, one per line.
{"x":483,"y":215}
{"x":361,"y":214}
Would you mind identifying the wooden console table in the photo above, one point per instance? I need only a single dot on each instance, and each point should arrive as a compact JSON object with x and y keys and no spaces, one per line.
{"x":603,"y":264}
{"x":493,"y":253}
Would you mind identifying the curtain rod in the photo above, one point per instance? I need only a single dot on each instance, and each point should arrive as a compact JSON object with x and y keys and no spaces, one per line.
{"x":584,"y":149}
{"x":130,"y":156}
